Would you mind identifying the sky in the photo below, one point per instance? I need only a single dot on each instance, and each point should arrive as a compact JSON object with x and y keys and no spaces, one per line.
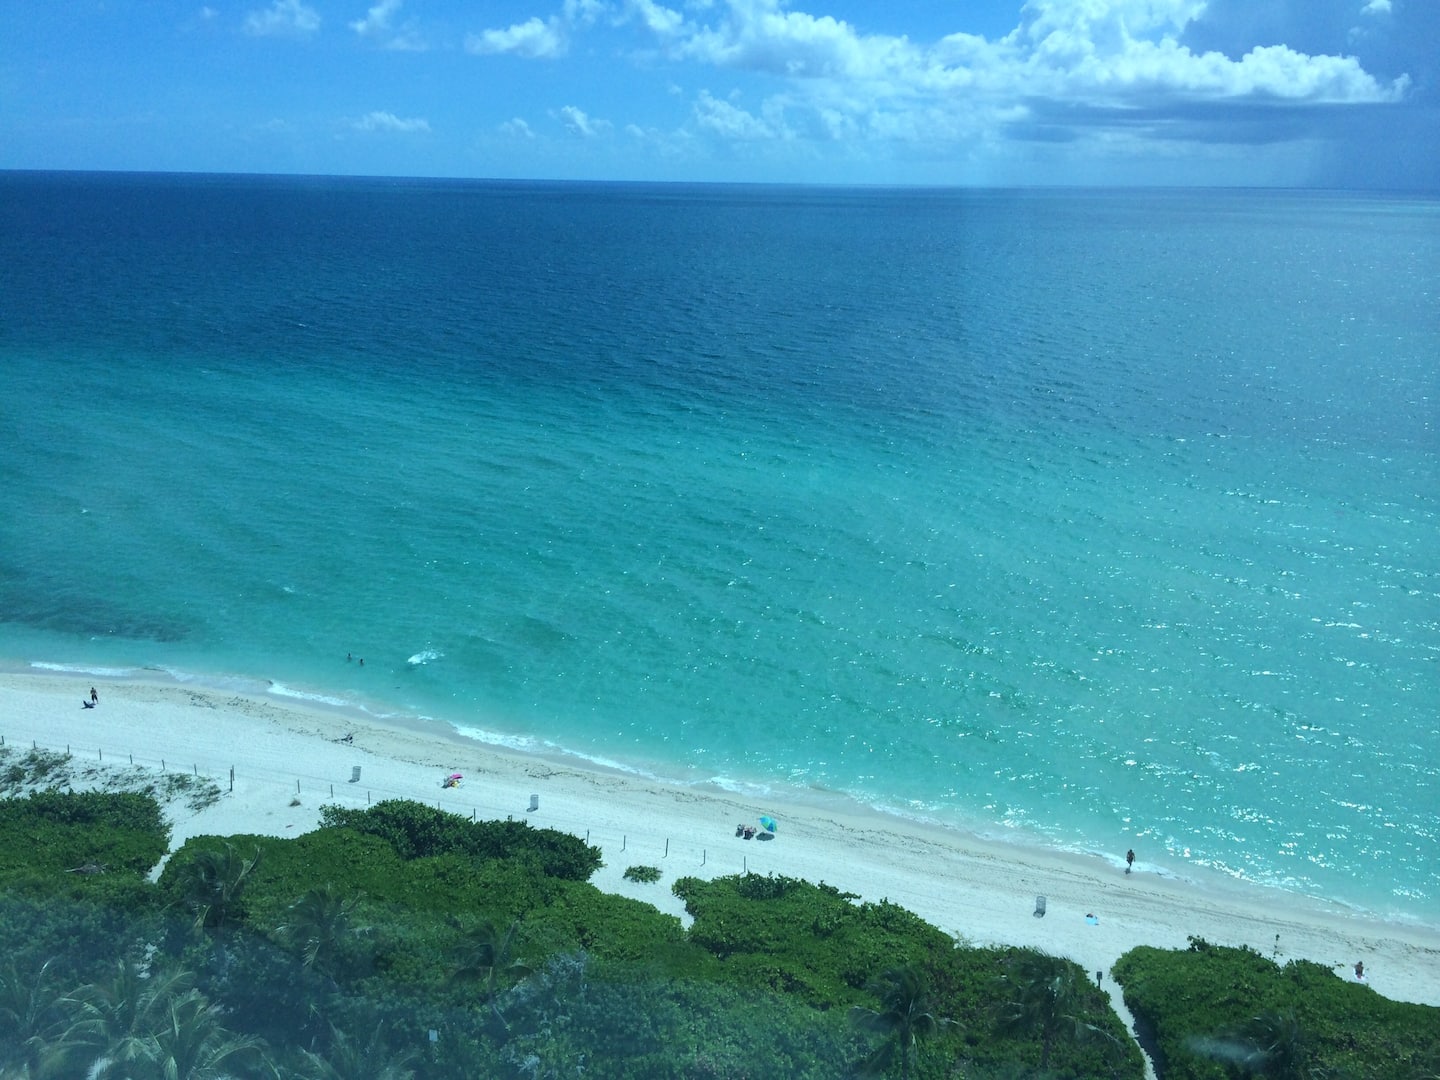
{"x":1294,"y":93}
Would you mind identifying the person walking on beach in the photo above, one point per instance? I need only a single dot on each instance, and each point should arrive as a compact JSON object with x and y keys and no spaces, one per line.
{"x":1129,"y":860}
{"x":94,"y":697}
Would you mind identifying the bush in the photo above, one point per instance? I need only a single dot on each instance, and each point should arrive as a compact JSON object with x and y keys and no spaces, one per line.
{"x":1198,"y":1006}
{"x":89,"y":832}
{"x":418,"y":831}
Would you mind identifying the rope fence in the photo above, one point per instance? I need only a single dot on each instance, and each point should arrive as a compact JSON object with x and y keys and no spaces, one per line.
{"x":617,"y":848}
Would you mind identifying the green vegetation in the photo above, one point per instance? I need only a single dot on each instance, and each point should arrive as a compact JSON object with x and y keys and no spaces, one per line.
{"x":904,"y":1020}
{"x":644,"y":874}
{"x":403,"y":942}
{"x":1213,"y":1012}
{"x":83,"y":836}
{"x":417,"y":831}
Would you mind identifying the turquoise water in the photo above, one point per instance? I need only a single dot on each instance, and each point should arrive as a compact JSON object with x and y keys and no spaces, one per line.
{"x":1103,"y":520}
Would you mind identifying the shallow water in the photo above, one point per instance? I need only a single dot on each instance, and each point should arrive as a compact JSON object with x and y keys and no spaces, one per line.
{"x":1104,"y":519}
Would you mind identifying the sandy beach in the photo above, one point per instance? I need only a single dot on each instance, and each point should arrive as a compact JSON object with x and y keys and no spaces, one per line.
{"x":288,"y":762}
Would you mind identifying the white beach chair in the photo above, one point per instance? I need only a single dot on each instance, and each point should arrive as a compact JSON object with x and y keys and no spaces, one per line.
{"x":355,"y":774}
{"x":1039,"y":907}
{"x":534,"y":802}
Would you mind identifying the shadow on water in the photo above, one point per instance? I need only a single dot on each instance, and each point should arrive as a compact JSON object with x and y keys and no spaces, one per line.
{"x":43,"y":606}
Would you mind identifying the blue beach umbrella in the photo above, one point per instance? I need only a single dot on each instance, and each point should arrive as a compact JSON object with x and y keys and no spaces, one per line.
{"x":767,"y":823}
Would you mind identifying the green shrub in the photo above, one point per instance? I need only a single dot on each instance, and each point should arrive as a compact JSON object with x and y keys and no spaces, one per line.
{"x":644,"y":874}
{"x":417,"y":831}
{"x":812,"y":938}
{"x":88,"y":834}
{"x":1199,"y":1009}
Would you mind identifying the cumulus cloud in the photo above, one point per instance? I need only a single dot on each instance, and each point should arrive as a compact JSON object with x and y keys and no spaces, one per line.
{"x":578,"y":123}
{"x":379,"y":25}
{"x":1117,"y":51}
{"x":387,"y":121}
{"x":517,"y":128}
{"x":659,"y":20}
{"x":534,"y":39}
{"x":732,"y":122}
{"x":283,"y":18}
{"x":1098,"y":50}
{"x":758,"y":35}
{"x":1067,"y":68}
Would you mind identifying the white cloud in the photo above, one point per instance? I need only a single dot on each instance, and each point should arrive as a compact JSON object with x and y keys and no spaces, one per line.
{"x":379,"y":25}
{"x":661,"y":21}
{"x":1109,"y":56}
{"x":578,"y":123}
{"x":518,"y":128}
{"x":731,"y":122}
{"x":1112,"y":52}
{"x":1068,"y":67}
{"x":387,"y":121}
{"x":757,"y":35}
{"x":283,"y":18}
{"x":533,"y":39}
{"x":583,"y":12}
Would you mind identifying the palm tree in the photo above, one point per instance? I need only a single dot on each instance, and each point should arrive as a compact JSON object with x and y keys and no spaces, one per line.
{"x":487,"y":954}
{"x":194,"y":1045}
{"x":1282,"y":1043}
{"x":212,"y":883}
{"x":30,"y":1022}
{"x":904,"y":1018}
{"x":1045,"y":995}
{"x":350,"y":1059}
{"x":1272,"y":1045}
{"x":115,"y":1021}
{"x":318,"y":924}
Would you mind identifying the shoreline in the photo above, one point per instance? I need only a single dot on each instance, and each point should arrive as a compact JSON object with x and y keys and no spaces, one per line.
{"x":426,"y":727}
{"x":288,"y":762}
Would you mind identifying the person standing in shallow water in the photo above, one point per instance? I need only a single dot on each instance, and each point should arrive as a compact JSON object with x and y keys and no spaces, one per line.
{"x":94,"y":697}
{"x":1129,"y":860}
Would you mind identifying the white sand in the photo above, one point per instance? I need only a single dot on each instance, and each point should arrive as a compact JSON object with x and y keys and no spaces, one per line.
{"x":979,"y":891}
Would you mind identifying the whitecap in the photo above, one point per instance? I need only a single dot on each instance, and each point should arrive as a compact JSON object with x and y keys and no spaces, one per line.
{"x":84,"y":669}
{"x":281,"y":690}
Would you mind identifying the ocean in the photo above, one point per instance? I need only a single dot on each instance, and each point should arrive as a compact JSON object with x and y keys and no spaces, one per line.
{"x":1092,"y":519}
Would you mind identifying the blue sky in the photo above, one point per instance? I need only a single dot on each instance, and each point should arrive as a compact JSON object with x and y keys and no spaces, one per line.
{"x":1326,"y":93}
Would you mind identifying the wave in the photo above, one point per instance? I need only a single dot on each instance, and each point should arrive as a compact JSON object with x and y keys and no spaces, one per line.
{"x":281,"y":690}
{"x":84,"y":669}
{"x":424,"y":657}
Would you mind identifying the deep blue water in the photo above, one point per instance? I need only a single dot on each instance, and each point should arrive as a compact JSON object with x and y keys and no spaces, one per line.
{"x":1105,"y":518}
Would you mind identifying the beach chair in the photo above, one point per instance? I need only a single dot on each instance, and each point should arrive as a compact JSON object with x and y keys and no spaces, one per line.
{"x":534,"y":803}
{"x":1039,"y":907}
{"x":354,"y":774}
